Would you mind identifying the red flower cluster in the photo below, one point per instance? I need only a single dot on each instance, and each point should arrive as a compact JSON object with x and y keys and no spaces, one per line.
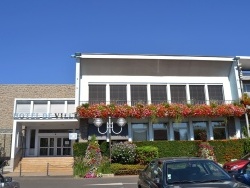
{"x":160,"y":110}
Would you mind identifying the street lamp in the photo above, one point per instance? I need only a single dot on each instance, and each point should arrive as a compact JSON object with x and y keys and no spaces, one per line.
{"x":110,"y":128}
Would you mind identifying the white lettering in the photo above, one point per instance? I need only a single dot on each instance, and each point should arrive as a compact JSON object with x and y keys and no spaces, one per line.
{"x":44,"y":115}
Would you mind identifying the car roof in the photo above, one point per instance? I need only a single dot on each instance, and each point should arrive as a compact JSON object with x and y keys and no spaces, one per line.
{"x":180,"y":159}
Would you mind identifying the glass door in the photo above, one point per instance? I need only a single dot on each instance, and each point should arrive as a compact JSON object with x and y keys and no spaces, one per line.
{"x":55,"y":146}
{"x":47,"y":146}
{"x":63,"y":146}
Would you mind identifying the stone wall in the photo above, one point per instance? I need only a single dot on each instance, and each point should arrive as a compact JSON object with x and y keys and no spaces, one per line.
{"x":8,"y":93}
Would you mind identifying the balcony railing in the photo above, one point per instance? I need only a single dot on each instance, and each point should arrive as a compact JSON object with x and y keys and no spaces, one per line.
{"x":135,"y":102}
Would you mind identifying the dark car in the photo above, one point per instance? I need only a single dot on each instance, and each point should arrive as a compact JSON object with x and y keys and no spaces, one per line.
{"x":185,"y":172}
{"x":237,"y":164}
{"x":7,"y":182}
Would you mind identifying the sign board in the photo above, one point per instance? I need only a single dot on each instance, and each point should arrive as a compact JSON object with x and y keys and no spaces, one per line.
{"x":73,"y":136}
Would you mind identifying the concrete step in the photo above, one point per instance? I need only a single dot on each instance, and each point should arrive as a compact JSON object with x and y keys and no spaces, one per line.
{"x":45,"y":164}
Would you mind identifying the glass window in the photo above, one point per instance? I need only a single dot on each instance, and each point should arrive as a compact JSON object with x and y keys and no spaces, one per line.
{"x":178,"y":94}
{"x":246,"y":86}
{"x":57,"y":106}
{"x":97,"y":94}
{"x":138,"y":94}
{"x":160,"y":131}
{"x":32,"y":138}
{"x":40,"y":107}
{"x":197,"y":94}
{"x":140,"y":132}
{"x":71,"y":107}
{"x":219,"y":130}
{"x":246,"y":72}
{"x":118,"y":94}
{"x":180,"y":131}
{"x":200,"y":130}
{"x":215,"y":93}
{"x":23,"y":107}
{"x":158,"y":94}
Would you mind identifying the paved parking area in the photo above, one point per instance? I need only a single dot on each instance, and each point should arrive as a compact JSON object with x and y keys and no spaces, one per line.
{"x":71,"y":182}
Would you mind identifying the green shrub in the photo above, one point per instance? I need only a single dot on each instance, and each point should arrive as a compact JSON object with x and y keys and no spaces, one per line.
{"x":123,"y":152}
{"x":104,"y":146}
{"x":173,"y":148}
{"x":225,"y":150}
{"x":145,"y":154}
{"x":80,"y":168}
{"x":126,"y":169}
{"x":104,"y":167}
{"x":246,"y":145}
{"x":79,"y":149}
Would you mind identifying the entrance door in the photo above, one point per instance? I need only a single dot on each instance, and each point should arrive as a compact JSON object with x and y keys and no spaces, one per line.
{"x":55,"y":146}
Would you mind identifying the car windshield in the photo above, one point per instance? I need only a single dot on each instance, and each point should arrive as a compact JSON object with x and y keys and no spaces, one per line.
{"x":246,"y":157}
{"x":195,"y":171}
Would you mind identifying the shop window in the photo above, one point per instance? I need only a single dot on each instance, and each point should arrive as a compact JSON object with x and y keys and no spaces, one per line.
{"x":197,"y":94}
{"x":97,"y":94}
{"x":140,"y":132}
{"x":178,"y":94}
{"x":158,"y":94}
{"x":138,"y":94}
{"x":200,"y":130}
{"x":180,"y":131}
{"x":160,"y":131}
{"x":118,"y":94}
{"x":219,"y":130}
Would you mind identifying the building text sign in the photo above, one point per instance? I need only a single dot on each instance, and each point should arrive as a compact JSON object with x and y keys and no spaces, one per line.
{"x":44,"y":115}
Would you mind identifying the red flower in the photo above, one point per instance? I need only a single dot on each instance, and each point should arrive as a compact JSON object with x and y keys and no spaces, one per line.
{"x":176,"y":111}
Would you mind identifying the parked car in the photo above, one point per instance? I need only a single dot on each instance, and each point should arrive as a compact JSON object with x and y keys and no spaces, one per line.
{"x":239,"y":169}
{"x":7,"y":182}
{"x":237,"y":164}
{"x":184,"y":172}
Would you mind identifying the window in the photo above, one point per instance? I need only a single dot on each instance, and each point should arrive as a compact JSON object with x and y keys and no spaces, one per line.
{"x":246,"y":72}
{"x":40,"y":107}
{"x":200,"y":130}
{"x":23,"y":107}
{"x":32,"y":138}
{"x":215,"y":93}
{"x":160,"y":131}
{"x":71,"y":107}
{"x":57,"y":107}
{"x":197,"y":94}
{"x":138,"y":94}
{"x":178,"y":94}
{"x":158,"y":94}
{"x":219,"y":130}
{"x":97,"y":94}
{"x":118,"y":94}
{"x":140,"y":132}
{"x":180,"y":131}
{"x":246,"y":86}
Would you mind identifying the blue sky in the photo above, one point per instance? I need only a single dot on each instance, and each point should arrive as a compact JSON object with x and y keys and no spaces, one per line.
{"x":37,"y":38}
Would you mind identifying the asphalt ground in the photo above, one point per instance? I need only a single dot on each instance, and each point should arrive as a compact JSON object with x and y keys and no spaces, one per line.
{"x":72,"y":182}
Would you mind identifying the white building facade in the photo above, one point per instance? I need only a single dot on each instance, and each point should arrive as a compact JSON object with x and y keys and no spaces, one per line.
{"x":50,"y":126}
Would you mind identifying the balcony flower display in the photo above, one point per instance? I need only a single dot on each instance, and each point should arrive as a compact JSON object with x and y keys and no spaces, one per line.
{"x":175,"y":111}
{"x":245,"y":99}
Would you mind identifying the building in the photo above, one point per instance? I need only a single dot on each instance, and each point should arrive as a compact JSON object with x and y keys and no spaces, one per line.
{"x":47,"y":122}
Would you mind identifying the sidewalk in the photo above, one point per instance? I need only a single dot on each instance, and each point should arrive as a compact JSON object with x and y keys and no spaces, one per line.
{"x":17,"y":174}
